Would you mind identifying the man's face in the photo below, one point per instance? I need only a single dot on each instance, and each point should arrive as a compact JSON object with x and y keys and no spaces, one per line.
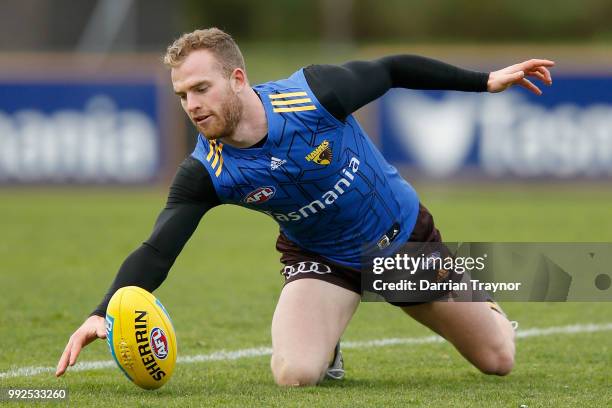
{"x":207,"y":95}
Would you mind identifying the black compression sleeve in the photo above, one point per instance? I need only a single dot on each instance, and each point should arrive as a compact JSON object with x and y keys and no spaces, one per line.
{"x":191,"y":195}
{"x":342,"y":89}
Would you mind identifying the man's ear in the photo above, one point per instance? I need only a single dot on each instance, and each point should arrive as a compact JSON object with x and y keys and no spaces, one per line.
{"x":238,"y":80}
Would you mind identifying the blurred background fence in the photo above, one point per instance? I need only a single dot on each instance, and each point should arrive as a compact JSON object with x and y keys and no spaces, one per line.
{"x":84,"y":97}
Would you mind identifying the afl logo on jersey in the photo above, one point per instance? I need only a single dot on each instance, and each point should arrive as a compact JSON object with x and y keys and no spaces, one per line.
{"x":260,"y":195}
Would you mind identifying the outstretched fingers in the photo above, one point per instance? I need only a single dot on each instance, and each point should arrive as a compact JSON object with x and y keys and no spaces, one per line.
{"x":539,"y":75}
{"x":527,"y":84}
{"x":534,"y":63}
{"x":542,"y":74}
{"x":547,"y":77}
{"x":62,"y":365}
{"x":540,"y":66}
{"x":93,"y":328}
{"x":70,"y":354}
{"x":74,"y":353}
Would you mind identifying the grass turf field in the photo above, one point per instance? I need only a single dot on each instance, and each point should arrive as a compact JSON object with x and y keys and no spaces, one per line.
{"x":61,"y":248}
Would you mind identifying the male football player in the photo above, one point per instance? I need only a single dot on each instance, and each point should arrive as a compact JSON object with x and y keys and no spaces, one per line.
{"x":292,"y":149}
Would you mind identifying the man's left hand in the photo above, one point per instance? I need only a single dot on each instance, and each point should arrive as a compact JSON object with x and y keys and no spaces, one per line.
{"x":517,"y":75}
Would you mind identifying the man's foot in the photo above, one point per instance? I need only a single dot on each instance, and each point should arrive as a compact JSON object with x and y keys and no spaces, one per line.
{"x":336,"y":365}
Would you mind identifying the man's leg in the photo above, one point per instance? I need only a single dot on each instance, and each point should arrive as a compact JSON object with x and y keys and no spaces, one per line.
{"x":483,"y":336}
{"x":309,"y":319}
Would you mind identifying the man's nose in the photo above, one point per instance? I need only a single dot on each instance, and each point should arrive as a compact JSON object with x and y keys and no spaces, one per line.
{"x":193,"y":105}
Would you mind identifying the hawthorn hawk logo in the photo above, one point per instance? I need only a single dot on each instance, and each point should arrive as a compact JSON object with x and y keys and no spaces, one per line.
{"x":321,"y":155}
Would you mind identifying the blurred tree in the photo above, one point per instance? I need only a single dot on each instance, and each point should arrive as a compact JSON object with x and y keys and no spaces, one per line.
{"x":483,"y":20}
{"x":278,"y":20}
{"x":337,"y":20}
{"x":39,"y":25}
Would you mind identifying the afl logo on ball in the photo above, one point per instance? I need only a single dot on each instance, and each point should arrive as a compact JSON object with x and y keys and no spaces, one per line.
{"x":261,"y":195}
{"x":159,"y":343}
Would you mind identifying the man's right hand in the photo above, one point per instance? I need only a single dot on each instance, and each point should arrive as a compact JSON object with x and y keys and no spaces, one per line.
{"x":93,"y":328}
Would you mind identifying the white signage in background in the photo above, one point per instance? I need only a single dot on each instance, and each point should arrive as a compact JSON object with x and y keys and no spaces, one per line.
{"x":97,"y":144}
{"x":526,"y":139}
{"x":438,"y":134}
{"x":515,"y":136}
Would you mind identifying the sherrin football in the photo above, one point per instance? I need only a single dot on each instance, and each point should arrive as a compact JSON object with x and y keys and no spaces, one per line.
{"x":140,"y":336}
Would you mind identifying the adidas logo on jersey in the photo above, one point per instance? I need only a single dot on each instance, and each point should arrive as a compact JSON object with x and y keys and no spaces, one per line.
{"x":275,"y":163}
{"x":328,"y":198}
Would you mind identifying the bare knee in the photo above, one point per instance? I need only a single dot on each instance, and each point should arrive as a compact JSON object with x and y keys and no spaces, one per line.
{"x":497,"y":361}
{"x":296,"y":373}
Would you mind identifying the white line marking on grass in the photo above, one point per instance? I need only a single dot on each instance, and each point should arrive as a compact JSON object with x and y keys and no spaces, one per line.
{"x":223,"y":355}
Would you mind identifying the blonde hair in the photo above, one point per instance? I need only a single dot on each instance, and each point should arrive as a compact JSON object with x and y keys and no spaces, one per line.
{"x":220,"y":43}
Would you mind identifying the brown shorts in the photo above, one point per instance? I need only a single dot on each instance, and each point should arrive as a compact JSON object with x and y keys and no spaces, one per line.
{"x":301,"y":264}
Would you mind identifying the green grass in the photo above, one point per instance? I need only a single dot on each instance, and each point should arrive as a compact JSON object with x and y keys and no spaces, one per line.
{"x":61,"y":248}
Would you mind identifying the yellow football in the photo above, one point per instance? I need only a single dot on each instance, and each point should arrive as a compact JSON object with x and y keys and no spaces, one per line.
{"x":140,"y":336}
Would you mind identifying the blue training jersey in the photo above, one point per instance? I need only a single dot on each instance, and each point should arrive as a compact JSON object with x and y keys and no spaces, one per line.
{"x":321,"y":179}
